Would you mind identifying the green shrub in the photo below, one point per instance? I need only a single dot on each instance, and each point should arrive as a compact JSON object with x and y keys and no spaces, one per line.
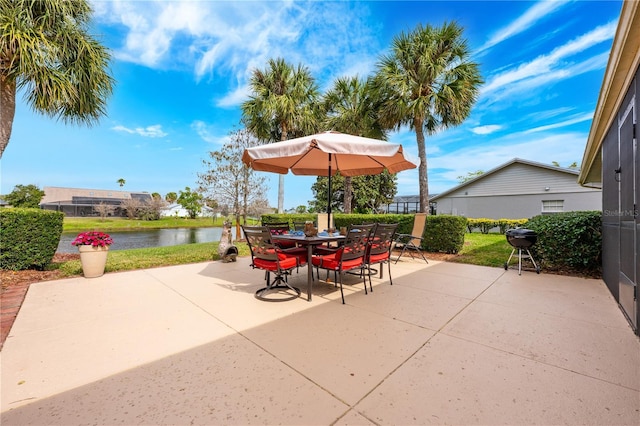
{"x":505,"y":224}
{"x":29,"y":238}
{"x":404,"y":221}
{"x":444,"y":233}
{"x":571,"y":240}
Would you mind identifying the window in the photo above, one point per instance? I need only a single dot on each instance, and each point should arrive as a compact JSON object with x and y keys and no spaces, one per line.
{"x":552,"y":206}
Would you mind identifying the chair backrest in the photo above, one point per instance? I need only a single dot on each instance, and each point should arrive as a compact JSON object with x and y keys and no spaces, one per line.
{"x":357,"y":242}
{"x":382,"y":238}
{"x":259,"y":241}
{"x":419,"y":223}
{"x":278,"y":228}
{"x":323,"y":222}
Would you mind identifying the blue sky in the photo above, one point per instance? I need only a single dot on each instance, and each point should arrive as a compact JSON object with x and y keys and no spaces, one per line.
{"x":182,"y":69}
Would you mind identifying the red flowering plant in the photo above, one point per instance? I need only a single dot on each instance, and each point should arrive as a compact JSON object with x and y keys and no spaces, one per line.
{"x":93,"y":238}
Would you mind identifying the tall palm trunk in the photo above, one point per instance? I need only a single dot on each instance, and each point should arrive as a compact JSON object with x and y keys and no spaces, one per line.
{"x":7,"y":110}
{"x":348,"y":194}
{"x":423,"y":179}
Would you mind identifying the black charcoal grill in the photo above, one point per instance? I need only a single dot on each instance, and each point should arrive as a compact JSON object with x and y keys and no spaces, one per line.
{"x":521,"y":239}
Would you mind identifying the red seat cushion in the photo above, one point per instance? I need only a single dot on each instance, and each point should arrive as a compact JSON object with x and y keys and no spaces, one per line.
{"x":375,"y":258}
{"x":271,"y":265}
{"x":332,"y":262}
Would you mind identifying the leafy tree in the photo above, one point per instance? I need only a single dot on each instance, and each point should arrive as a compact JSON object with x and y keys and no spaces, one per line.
{"x":46,"y":50}
{"x":171,"y":197}
{"x":25,"y":196}
{"x":370,"y":192}
{"x":121,"y":182}
{"x":191,"y":201}
{"x":351,"y":106}
{"x":469,"y":176}
{"x":230,"y":182}
{"x":283,"y":104}
{"x":301,"y":209}
{"x":429,"y":83}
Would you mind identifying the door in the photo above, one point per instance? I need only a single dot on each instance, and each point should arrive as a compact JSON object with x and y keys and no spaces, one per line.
{"x":628,"y":214}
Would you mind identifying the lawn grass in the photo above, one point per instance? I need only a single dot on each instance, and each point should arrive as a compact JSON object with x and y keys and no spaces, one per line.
{"x":479,"y":249}
{"x":484,"y":250}
{"x":143,"y":258}
{"x":79,"y":224}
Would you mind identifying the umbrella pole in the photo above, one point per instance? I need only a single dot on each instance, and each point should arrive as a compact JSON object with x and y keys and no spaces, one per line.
{"x":329,"y":196}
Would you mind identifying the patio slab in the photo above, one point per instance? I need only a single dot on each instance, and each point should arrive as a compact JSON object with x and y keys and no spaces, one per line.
{"x":447,"y":343}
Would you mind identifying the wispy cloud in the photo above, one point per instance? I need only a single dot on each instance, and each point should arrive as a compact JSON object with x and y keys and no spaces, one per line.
{"x":208,"y":133}
{"x":565,"y":123}
{"x":552,"y":66}
{"x":524,"y":22}
{"x":233,"y":38}
{"x":485,"y":130}
{"x":154,"y":131}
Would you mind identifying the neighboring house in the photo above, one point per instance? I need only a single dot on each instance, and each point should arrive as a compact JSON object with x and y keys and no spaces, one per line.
{"x":612,"y":162}
{"x":518,"y":189}
{"x":176,"y":210}
{"x":80,"y":201}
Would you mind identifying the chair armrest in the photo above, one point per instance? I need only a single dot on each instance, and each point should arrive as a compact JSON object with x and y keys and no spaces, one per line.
{"x":400,"y":237}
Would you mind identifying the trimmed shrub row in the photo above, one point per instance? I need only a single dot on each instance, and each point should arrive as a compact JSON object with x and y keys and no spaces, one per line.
{"x":29,"y":238}
{"x":485,"y":225}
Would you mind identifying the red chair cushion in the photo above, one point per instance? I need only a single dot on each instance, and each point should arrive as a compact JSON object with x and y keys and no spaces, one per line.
{"x":375,"y":258}
{"x":332,"y":262}
{"x":271,"y":265}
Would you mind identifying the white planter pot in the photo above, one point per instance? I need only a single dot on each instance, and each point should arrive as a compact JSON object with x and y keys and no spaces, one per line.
{"x":93,"y":260}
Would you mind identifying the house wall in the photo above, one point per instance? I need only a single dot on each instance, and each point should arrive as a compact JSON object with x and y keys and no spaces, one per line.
{"x":517,"y":192}
{"x":515,"y":206}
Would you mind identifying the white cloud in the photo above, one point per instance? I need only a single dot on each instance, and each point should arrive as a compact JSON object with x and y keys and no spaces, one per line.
{"x":551,"y":67}
{"x":207,"y":133}
{"x":237,"y":37}
{"x":524,"y":22}
{"x":568,"y":122}
{"x":154,"y":131}
{"x":485,"y":130}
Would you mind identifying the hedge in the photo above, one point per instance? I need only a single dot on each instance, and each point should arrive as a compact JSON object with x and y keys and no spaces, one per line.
{"x":571,"y":240}
{"x":30,"y":237}
{"x":485,"y":225}
{"x":444,"y":233}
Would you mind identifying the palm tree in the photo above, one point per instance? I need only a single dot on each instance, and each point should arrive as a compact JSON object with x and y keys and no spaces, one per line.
{"x":429,"y":83}
{"x":46,"y":50}
{"x":283,"y":105}
{"x":121,"y":182}
{"x":351,"y":107}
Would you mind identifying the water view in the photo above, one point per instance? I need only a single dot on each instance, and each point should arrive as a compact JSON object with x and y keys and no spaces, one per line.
{"x":149,"y":238}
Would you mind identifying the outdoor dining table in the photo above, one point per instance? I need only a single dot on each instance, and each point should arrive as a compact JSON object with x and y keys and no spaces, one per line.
{"x":310,"y":242}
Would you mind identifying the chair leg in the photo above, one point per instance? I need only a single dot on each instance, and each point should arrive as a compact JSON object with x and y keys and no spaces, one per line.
{"x":341,"y":291}
{"x":389,"y":264}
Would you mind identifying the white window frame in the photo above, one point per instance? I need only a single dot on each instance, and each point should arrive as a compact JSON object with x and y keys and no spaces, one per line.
{"x":552,"y":206}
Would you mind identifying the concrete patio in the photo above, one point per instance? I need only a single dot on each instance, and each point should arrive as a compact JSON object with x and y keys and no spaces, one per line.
{"x":446,"y":344}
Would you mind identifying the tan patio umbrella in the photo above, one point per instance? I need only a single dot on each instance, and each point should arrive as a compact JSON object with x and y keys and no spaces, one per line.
{"x":324,"y":154}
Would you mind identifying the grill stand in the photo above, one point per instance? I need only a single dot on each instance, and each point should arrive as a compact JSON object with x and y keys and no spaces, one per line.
{"x":520,"y":257}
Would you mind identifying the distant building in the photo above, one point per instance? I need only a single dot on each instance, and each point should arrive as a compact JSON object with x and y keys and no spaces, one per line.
{"x":176,"y":210}
{"x":77,"y":202}
{"x":518,"y":189}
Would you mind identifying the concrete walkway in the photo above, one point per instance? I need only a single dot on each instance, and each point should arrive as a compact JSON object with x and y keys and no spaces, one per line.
{"x":446,"y":344}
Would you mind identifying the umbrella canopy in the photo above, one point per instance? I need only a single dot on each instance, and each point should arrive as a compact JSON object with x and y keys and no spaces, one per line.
{"x":324,"y":154}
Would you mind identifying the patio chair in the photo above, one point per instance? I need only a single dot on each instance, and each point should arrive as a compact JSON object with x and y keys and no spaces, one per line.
{"x":279,"y":229}
{"x":380,"y":245}
{"x":411,"y":242}
{"x":271,"y":259}
{"x":348,"y":257}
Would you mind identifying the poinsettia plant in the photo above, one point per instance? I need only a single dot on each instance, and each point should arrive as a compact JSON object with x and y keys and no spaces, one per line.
{"x":93,"y":238}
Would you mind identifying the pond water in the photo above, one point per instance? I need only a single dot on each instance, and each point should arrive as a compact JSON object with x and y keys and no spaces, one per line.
{"x":150,"y":238}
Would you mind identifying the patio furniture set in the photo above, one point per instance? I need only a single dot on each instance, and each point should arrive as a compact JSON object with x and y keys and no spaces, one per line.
{"x":277,"y":250}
